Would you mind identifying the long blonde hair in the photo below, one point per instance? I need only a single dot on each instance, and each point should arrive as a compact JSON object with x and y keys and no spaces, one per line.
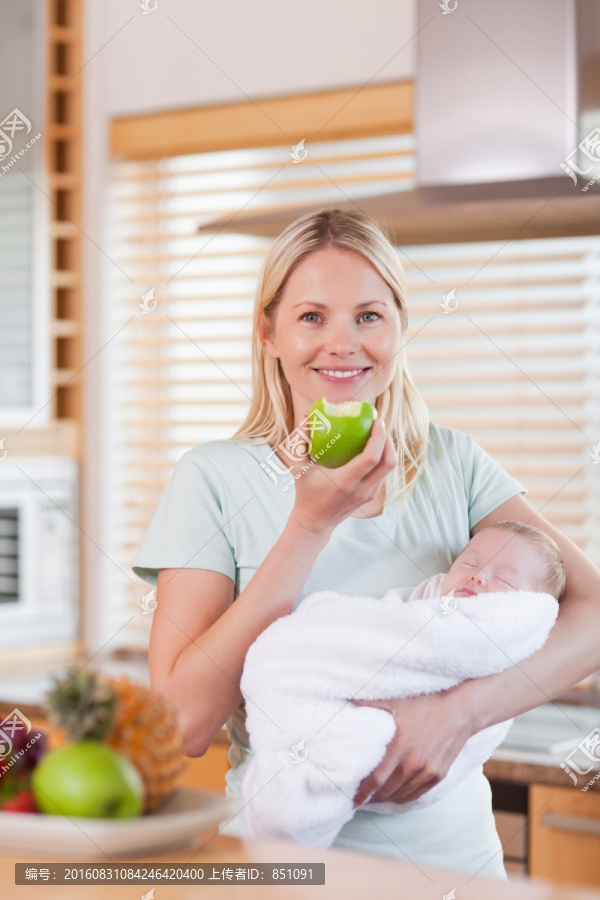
{"x":271,"y":416}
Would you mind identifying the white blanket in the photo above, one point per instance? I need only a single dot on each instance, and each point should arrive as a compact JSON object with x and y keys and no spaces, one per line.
{"x":312,"y":747}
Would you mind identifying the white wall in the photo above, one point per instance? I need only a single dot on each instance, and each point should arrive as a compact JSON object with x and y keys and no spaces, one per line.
{"x":190,"y":53}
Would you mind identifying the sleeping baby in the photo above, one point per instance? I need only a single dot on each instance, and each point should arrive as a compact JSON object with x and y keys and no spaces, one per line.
{"x":504,"y":556}
{"x":312,"y":745}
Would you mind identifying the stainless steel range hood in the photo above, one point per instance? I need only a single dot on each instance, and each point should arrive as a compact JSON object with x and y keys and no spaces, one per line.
{"x":507,"y":117}
{"x":505,"y":92}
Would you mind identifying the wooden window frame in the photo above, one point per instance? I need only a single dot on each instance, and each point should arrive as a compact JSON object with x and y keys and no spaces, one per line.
{"x":346,"y":113}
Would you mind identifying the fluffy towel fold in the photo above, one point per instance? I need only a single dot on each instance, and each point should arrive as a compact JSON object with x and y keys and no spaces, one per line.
{"x":312,"y":748}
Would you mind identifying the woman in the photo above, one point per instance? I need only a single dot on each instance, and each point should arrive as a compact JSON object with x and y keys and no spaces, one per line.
{"x":252,"y":520}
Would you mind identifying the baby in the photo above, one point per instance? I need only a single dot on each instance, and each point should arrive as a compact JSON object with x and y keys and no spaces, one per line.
{"x":303,"y":669}
{"x":504,"y":556}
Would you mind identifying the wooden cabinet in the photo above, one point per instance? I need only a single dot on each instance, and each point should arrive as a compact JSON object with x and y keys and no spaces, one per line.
{"x":564,"y":834}
{"x":208,"y":772}
{"x":512,"y":831}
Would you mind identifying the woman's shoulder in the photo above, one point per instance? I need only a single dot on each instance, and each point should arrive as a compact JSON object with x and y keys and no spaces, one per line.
{"x":447,"y":440}
{"x":221,"y":455}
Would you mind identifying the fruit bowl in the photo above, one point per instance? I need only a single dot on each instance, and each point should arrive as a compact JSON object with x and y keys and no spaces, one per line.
{"x":182,"y":817}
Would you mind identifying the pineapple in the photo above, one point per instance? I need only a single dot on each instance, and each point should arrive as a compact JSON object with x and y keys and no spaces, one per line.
{"x":128,"y":718}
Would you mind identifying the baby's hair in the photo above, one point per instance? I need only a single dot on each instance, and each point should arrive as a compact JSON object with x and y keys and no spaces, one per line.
{"x":555,"y":577}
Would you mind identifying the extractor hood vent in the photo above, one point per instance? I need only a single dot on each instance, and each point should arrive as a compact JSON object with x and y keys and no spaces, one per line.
{"x":506,"y":91}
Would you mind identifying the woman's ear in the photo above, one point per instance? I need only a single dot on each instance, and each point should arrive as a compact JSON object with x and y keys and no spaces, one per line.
{"x":265,"y":341}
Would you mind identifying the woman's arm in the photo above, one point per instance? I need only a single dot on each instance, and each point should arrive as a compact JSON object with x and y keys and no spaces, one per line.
{"x":432,"y":729}
{"x":572,"y":650}
{"x":197,"y":650}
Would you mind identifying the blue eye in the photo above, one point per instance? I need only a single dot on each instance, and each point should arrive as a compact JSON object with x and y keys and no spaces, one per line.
{"x":371,"y":313}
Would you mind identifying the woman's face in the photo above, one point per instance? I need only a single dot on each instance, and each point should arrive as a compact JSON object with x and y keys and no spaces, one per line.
{"x":336,"y":313}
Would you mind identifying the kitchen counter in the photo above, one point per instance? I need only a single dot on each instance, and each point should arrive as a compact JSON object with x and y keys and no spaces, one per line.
{"x":542,"y":739}
{"x":511,"y":766}
{"x":573,"y":715}
{"x":348,"y":875}
{"x":521,"y":771}
{"x":503,"y":766}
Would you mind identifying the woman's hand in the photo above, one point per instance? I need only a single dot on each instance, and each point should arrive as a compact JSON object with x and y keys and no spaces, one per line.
{"x":325,"y":497}
{"x":431,"y":730}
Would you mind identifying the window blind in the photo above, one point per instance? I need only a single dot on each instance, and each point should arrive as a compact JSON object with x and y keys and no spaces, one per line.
{"x":24,"y":368}
{"x":513,"y":360}
{"x":16,"y":302}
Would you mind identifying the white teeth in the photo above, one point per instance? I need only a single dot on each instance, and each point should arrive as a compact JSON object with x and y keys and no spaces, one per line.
{"x":340,"y":374}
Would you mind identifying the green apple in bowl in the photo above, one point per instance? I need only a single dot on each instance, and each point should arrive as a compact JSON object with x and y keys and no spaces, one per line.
{"x":339,"y":431}
{"x":88,"y":779}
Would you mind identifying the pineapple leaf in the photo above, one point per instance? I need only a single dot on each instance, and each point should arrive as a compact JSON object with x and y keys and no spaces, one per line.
{"x":83,"y":705}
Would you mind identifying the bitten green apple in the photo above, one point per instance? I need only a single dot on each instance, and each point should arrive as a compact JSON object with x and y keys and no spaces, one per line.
{"x":352,"y":420}
{"x":88,"y":779}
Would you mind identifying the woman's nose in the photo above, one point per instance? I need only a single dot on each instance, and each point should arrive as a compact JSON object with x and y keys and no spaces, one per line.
{"x":341,"y":339}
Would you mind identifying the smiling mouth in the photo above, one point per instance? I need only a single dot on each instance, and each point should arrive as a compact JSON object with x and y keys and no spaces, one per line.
{"x":341,"y":374}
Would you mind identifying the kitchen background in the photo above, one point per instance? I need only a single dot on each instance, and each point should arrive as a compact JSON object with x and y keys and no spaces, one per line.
{"x":149,"y":154}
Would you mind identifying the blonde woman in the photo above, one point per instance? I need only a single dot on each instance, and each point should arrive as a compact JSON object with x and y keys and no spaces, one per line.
{"x":247,"y":527}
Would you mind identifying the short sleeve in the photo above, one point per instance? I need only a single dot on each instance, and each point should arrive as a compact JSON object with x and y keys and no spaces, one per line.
{"x":189,"y":526}
{"x":487,"y":484}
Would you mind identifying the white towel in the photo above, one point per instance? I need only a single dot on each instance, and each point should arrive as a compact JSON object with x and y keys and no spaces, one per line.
{"x":312,"y":747}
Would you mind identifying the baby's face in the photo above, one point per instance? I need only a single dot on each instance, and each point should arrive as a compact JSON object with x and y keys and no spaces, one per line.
{"x":494,"y":560}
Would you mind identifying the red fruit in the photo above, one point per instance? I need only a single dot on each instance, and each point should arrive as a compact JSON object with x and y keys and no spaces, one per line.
{"x":23,"y":801}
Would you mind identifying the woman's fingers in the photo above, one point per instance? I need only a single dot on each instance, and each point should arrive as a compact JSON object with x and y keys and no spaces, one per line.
{"x":389,"y":773}
{"x":414,"y":789}
{"x":324,"y":497}
{"x":431,"y":730}
{"x":375,"y":462}
{"x":386,"y":464}
{"x":409,"y":767}
{"x":401,"y":789}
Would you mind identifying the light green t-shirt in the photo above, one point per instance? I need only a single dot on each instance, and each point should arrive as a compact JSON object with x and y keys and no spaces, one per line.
{"x":226,"y":504}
